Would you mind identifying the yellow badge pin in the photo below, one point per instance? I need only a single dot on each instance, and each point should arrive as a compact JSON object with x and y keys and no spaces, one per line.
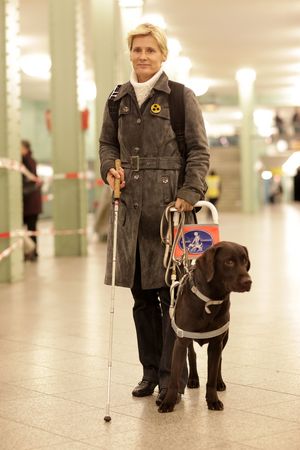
{"x":155,"y":108}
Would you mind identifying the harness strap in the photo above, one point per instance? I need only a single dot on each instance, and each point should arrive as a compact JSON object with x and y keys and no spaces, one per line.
{"x":208,"y":302}
{"x":198,"y":335}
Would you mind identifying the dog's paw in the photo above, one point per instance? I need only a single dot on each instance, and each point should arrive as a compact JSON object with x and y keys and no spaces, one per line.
{"x":166,"y":407}
{"x":193,"y":383}
{"x":221,"y":386}
{"x":215,"y":405}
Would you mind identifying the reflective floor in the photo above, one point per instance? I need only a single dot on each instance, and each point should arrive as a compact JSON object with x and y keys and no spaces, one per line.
{"x":54,"y":339}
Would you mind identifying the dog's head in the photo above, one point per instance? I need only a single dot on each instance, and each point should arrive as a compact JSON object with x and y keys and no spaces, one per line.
{"x":226,"y":264}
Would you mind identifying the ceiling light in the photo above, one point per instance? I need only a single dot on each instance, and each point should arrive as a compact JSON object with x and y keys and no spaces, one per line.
{"x":198,"y":85}
{"x":245,"y":75}
{"x":88,"y":90}
{"x":266,"y":175}
{"x":25,"y":41}
{"x":296,"y":92}
{"x":154,"y":19}
{"x":263,"y":120}
{"x":131,"y":3}
{"x":174,"y":47}
{"x":282,"y":145}
{"x":36,"y":65}
{"x":178,"y":68}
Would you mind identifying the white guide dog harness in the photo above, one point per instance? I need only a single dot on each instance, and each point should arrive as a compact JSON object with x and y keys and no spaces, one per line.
{"x":208,"y":302}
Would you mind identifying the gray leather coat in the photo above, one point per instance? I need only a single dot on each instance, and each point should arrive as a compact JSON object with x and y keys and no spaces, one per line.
{"x":152,"y":162}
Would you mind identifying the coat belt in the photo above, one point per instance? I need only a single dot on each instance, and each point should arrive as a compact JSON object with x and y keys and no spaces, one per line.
{"x":137,"y":163}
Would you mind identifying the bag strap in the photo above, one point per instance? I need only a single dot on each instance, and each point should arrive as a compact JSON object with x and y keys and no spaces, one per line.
{"x":113,"y":106}
{"x":176,"y":106}
{"x":177,"y":114}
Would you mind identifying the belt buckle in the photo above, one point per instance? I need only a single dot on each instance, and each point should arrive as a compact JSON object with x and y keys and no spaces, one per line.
{"x":135,"y":163}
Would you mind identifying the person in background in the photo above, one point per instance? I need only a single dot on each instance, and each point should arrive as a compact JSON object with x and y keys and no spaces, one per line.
{"x":296,"y":122}
{"x":279,"y":123}
{"x":153,"y":174}
{"x":213,"y":182}
{"x":32,"y":198}
{"x":276,"y":190}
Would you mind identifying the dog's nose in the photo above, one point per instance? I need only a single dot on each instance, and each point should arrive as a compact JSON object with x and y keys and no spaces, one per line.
{"x":246,"y":283}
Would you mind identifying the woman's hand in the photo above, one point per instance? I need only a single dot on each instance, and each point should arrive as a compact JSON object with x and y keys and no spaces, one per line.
{"x":112,"y":174}
{"x":183,"y":205}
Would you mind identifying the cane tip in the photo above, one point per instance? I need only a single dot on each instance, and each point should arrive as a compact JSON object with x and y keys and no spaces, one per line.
{"x":107,"y":418}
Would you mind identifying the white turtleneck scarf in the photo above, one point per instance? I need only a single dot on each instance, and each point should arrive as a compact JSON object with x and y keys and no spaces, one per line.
{"x":142,"y":90}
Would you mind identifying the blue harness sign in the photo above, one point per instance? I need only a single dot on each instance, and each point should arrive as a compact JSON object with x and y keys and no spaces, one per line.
{"x":197,"y":238}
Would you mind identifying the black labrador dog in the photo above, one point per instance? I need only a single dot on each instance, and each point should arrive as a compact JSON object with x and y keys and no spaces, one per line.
{"x":202,"y":314}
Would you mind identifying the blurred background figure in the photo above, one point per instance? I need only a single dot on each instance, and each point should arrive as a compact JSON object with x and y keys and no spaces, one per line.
{"x":213,"y":182}
{"x":279,"y":123}
{"x":276,"y":190}
{"x":32,"y":198}
{"x":296,"y":121}
{"x":297,"y":186}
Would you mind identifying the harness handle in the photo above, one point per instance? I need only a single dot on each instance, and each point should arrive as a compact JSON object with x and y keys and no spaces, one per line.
{"x":209,"y":205}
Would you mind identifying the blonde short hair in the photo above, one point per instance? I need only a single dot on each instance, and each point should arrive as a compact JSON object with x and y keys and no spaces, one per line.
{"x":157,"y":33}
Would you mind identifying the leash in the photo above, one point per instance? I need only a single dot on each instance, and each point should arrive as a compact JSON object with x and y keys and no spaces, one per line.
{"x":170,"y":262}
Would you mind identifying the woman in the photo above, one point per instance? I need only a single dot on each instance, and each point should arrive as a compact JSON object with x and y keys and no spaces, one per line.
{"x":151,"y":164}
{"x":32,"y":199}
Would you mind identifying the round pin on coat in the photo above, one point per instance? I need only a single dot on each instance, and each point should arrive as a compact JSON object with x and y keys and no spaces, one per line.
{"x":155,"y":108}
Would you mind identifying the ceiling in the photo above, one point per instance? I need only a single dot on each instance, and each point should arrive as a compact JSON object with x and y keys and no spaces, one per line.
{"x":219,"y":36}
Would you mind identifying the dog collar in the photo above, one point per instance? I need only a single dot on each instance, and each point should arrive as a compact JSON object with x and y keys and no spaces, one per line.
{"x":208,"y":301}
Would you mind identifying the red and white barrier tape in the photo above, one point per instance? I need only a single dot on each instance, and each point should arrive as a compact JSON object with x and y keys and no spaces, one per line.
{"x":10,"y":249}
{"x":47,"y":197}
{"x":44,"y":232}
{"x":11,"y":164}
{"x":70,"y":176}
{"x":22,"y":233}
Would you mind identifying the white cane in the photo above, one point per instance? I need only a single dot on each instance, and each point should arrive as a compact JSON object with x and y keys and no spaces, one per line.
{"x":117,"y":194}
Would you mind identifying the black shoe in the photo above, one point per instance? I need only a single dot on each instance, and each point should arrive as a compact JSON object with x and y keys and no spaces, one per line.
{"x":162,"y":394}
{"x":144,"y":388}
{"x":30,"y":257}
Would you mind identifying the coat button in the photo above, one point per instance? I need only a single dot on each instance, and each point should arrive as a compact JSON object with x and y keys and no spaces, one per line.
{"x":165,"y":180}
{"x":135,"y":205}
{"x":136,"y":177}
{"x":125,"y":109}
{"x":139,"y":121}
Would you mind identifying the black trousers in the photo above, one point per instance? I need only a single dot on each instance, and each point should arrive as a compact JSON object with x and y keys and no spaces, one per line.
{"x":155,"y":335}
{"x":30,"y":222}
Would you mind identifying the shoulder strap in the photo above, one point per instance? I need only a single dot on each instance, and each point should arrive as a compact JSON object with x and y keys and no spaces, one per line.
{"x":113,"y":106}
{"x":177,"y":113}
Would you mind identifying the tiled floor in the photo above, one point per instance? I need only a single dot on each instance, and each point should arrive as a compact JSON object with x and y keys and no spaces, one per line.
{"x":53,"y":346}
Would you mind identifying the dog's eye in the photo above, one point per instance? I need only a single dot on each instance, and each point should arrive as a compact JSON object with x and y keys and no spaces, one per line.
{"x":229,"y":262}
{"x":245,"y":260}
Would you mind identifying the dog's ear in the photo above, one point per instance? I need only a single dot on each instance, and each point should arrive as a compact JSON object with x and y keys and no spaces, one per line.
{"x":247,"y":255}
{"x":206,"y":263}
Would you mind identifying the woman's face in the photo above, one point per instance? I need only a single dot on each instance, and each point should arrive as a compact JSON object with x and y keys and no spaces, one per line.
{"x":146,"y":57}
{"x":24,"y":150}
